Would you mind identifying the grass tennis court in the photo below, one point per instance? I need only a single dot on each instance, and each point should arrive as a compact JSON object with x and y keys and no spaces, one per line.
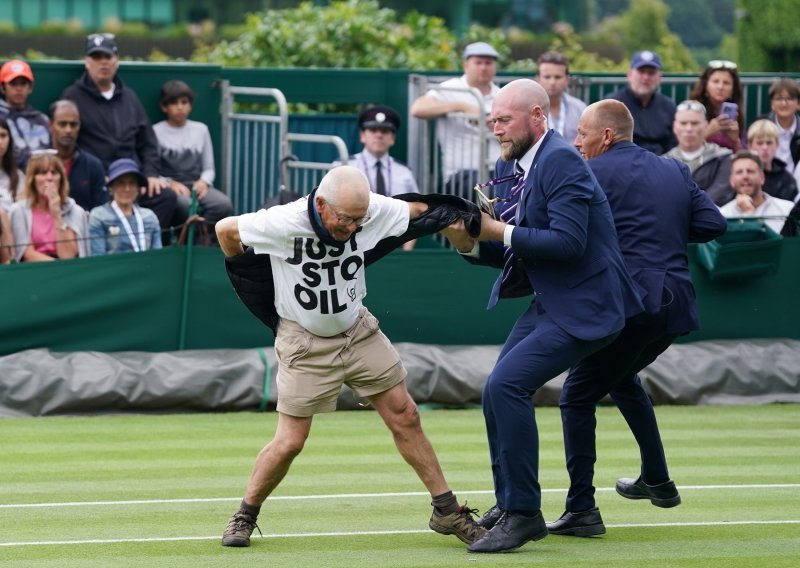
{"x":157,"y":491}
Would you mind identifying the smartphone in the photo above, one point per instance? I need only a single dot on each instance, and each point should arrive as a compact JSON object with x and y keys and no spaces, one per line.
{"x":730,"y":110}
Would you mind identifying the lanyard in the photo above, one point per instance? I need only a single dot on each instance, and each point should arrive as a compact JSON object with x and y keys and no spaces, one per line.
{"x":137,"y":246}
{"x":387,"y":176}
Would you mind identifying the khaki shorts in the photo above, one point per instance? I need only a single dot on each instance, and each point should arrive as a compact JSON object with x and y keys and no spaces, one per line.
{"x":312,"y":369}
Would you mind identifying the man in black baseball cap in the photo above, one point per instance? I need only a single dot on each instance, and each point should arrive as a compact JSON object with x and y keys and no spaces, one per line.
{"x":101,"y":43}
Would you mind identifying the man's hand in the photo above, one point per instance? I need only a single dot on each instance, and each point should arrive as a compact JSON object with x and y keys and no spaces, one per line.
{"x":491,"y":229}
{"x":154,"y":186}
{"x":180,"y":188}
{"x":745,"y":203}
{"x":458,"y":236}
{"x":201,"y":188}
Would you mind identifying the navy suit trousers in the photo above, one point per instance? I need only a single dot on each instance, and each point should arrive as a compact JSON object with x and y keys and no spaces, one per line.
{"x":536,"y":351}
{"x":613,"y":371}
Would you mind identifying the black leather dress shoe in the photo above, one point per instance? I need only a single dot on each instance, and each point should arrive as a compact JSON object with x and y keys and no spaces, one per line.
{"x":490,"y":517}
{"x":585,"y":523}
{"x":511,"y":531}
{"x":661,"y":495}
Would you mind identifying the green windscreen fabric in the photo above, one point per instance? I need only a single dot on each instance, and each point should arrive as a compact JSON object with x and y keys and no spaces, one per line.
{"x":134,"y":302}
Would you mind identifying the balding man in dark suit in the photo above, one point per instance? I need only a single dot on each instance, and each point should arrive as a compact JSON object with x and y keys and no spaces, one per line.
{"x":657,"y":210}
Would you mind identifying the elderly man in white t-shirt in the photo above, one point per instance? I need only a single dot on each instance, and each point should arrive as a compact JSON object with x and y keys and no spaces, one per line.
{"x":326,"y":337}
{"x":458,"y":130}
{"x":747,"y":180}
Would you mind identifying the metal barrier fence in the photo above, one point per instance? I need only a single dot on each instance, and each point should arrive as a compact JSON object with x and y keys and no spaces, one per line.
{"x":425,"y":139}
{"x":257,"y":149}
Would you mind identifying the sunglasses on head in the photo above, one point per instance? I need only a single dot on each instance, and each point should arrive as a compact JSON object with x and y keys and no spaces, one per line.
{"x":721,"y":64}
{"x":696,"y":106}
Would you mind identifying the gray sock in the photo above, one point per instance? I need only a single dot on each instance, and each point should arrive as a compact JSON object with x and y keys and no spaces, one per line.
{"x":445,"y":504}
{"x":252,"y":510}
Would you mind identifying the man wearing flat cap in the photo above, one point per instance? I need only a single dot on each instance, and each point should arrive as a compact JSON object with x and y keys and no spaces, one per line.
{"x":458,"y":128}
{"x":652,"y":112}
{"x":115,"y":125}
{"x":387,"y":176}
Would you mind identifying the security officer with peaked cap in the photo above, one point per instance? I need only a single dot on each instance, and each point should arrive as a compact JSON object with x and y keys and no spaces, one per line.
{"x":378,"y":126}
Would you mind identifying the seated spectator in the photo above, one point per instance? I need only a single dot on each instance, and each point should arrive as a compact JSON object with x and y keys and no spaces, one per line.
{"x":11,"y":183}
{"x":115,"y":125}
{"x":47,"y":223}
{"x":458,"y":130}
{"x":709,"y":163}
{"x":719,"y":83}
{"x":652,"y":112}
{"x":121,"y":225}
{"x":28,"y":126}
{"x":85,"y":173}
{"x":783,"y":97}
{"x":186,"y":154}
{"x":747,"y":180}
{"x":552,"y":73}
{"x":762,"y":140}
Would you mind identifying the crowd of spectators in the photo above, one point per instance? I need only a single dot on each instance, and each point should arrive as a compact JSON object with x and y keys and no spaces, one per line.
{"x":94,"y":176}
{"x":59,"y":199}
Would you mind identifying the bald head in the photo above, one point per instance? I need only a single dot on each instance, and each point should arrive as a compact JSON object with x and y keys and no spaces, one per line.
{"x":519,"y":114}
{"x":602,"y":125}
{"x":344,"y":184}
{"x":525,"y":94}
{"x":63,"y":105}
{"x":615,"y":116}
{"x":342,"y":201}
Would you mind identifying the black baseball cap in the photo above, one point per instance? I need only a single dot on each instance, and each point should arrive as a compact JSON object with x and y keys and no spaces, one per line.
{"x":101,"y":43}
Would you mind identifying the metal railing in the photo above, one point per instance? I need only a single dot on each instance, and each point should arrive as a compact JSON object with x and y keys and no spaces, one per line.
{"x":257,"y":149}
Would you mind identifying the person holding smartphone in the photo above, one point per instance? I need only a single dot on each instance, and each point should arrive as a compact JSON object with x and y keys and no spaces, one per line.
{"x":720,"y":90}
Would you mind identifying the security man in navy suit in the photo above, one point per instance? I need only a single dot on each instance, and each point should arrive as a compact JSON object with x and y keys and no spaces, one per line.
{"x":561,"y":239}
{"x":657,"y":210}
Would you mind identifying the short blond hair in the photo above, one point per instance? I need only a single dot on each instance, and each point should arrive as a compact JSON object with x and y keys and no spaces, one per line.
{"x":763,"y":129}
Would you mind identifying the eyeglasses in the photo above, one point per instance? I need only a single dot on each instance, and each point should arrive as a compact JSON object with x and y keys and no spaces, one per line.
{"x":346,"y":220}
{"x":784,"y":99}
{"x":721,"y":64}
{"x":696,"y":106}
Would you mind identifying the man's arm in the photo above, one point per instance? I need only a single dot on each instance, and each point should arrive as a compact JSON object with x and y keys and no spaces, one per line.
{"x":430,"y":107}
{"x":228,"y":236}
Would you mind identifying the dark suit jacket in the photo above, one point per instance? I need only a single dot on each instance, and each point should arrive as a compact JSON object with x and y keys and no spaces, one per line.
{"x":657,"y":210}
{"x":565,"y":237}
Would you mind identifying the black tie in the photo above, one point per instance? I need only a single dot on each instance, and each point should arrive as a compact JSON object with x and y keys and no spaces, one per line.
{"x":380,"y":182}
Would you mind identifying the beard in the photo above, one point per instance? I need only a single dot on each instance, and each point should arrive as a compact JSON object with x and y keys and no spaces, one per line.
{"x":517,"y":148}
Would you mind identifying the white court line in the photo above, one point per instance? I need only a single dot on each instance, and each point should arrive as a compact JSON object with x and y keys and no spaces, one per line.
{"x":353,"y":496}
{"x":372,"y":533}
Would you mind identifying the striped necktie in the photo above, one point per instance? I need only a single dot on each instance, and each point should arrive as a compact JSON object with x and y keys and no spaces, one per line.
{"x":511,"y":283}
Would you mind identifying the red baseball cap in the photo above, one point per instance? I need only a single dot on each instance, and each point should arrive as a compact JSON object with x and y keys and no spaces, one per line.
{"x":13,"y":69}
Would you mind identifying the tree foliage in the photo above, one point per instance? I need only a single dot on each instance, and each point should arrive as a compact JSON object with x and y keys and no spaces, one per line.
{"x":694,"y":22}
{"x":344,"y":34}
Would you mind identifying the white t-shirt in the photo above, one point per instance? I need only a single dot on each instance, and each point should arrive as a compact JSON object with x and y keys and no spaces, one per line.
{"x":459,"y":136}
{"x":321,"y":287}
{"x":772,"y":207}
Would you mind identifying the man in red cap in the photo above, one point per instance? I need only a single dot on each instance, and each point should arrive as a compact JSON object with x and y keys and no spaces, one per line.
{"x":29,"y":127}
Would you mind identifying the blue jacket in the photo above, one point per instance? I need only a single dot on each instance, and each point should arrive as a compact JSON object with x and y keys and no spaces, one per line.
{"x":657,"y":210}
{"x":87,"y":180}
{"x":565,"y":237}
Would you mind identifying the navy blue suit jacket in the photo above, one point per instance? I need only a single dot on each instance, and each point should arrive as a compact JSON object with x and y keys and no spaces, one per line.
{"x":565,"y":237}
{"x":657,"y":210}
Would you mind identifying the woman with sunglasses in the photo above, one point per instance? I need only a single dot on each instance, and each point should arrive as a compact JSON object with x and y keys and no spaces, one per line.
{"x":718,"y":84}
{"x":47,"y":223}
